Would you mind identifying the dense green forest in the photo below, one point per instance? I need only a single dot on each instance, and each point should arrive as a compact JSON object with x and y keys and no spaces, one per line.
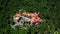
{"x":49,"y":10}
